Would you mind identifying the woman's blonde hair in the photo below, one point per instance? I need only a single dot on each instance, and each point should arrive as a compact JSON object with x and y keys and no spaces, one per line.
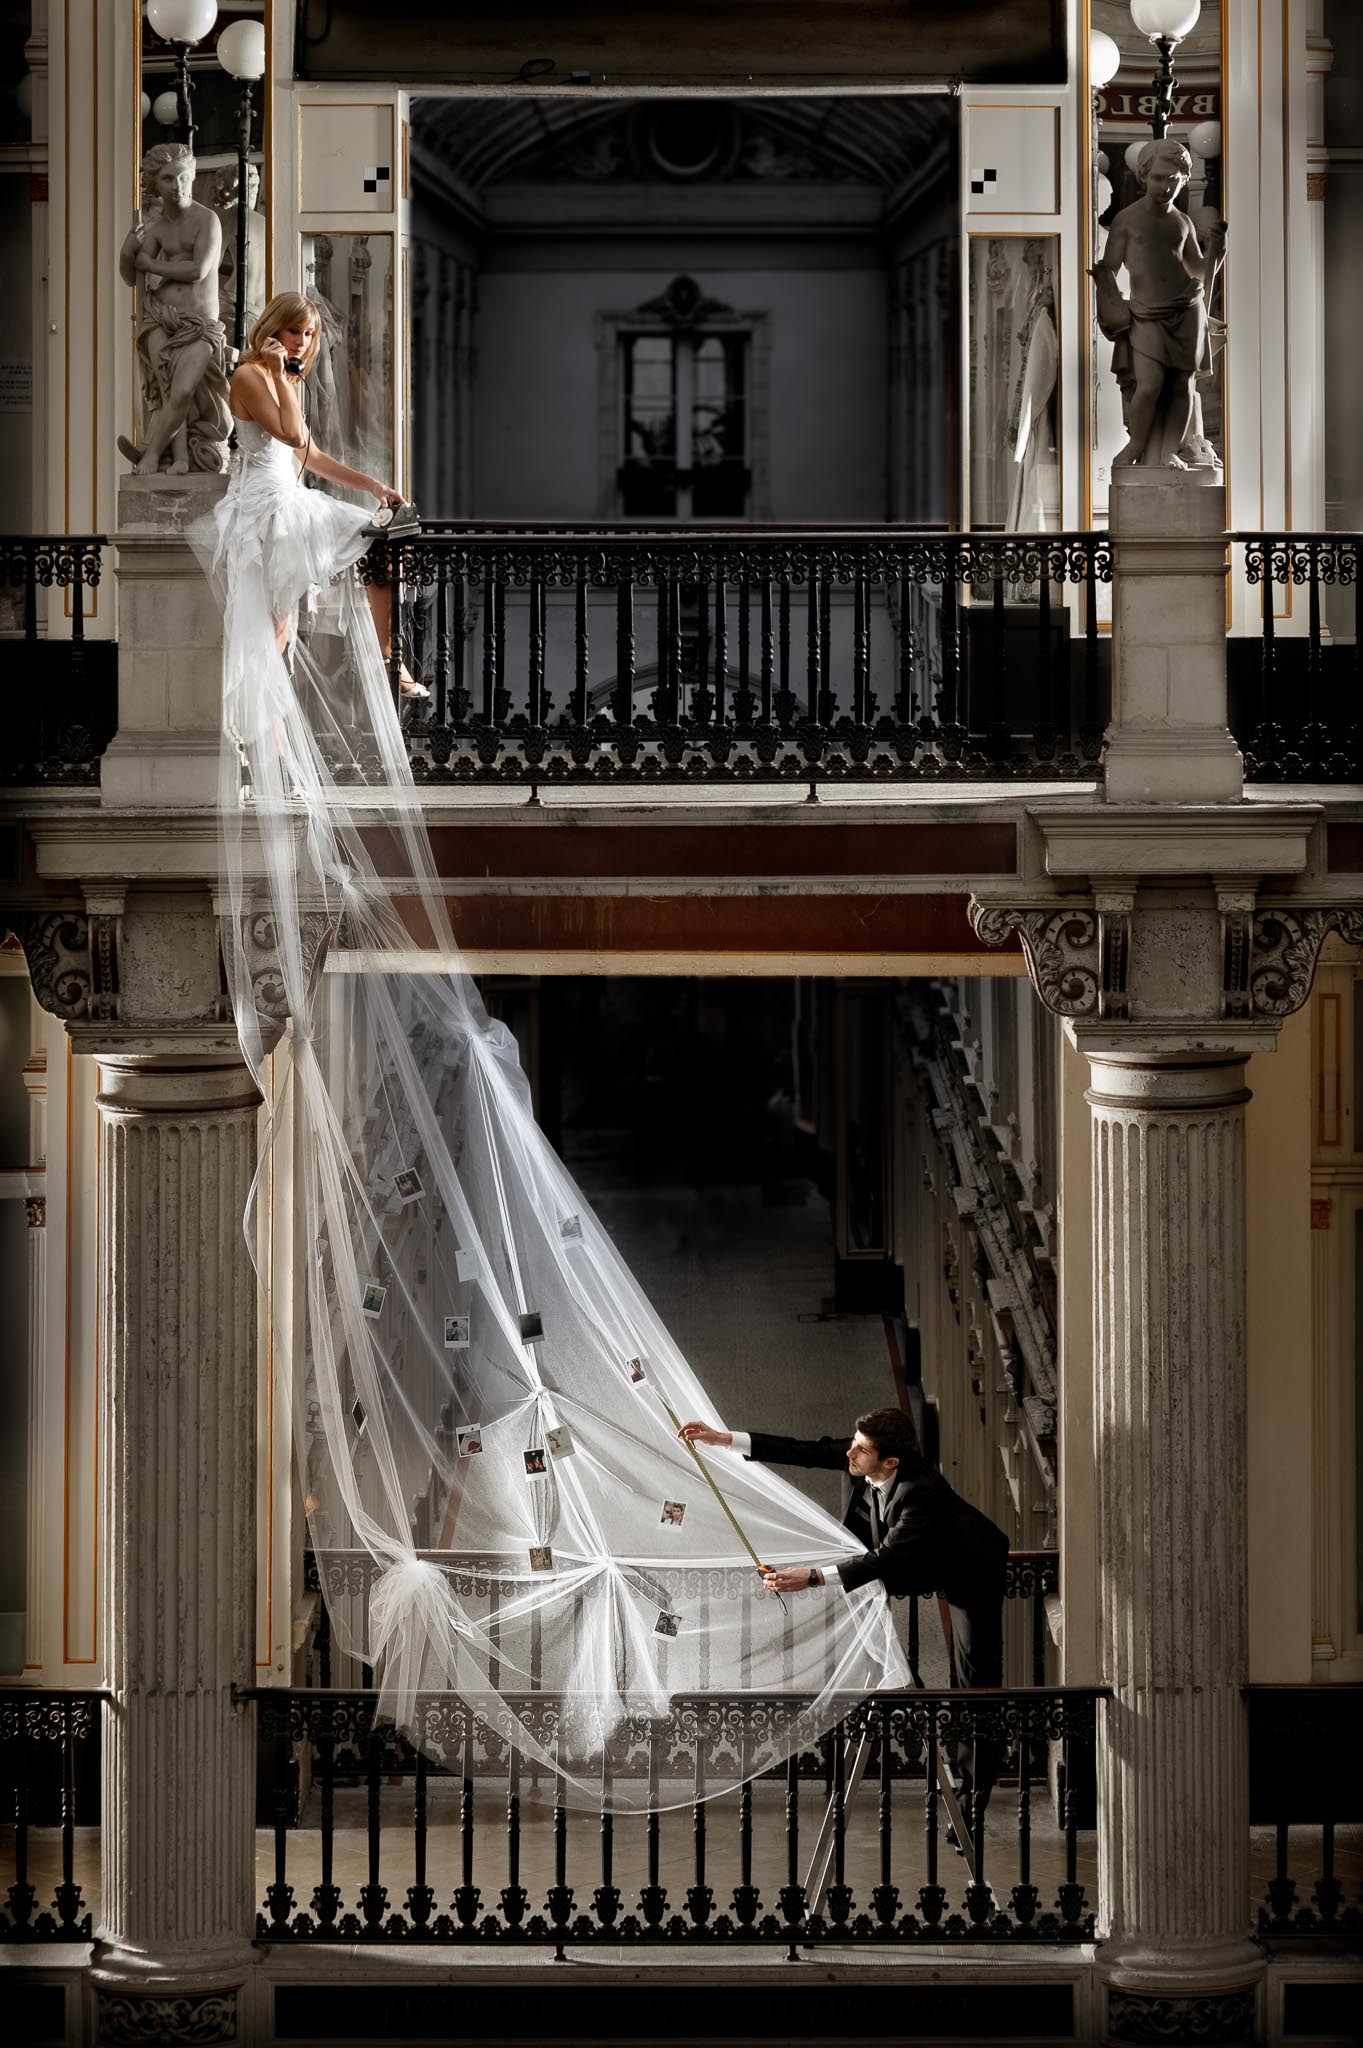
{"x":286,"y":309}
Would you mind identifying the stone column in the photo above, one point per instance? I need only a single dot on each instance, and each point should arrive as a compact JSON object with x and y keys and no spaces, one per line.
{"x":179,"y":1338}
{"x":1170,"y":1387}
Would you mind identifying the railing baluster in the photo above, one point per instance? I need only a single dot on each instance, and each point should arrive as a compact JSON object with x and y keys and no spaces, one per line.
{"x":22,"y":1897}
{"x":792,"y":1896}
{"x":1045,"y":653}
{"x":999,"y":663}
{"x":931,"y":1896}
{"x":535,"y":622}
{"x":442,"y":645}
{"x":581,"y":651}
{"x":906,"y":699}
{"x":459,"y":636}
{"x":784,"y":693}
{"x":699,"y":1898}
{"x":768,"y":650}
{"x":560,"y":1899}
{"x":861,"y":647}
{"x":279,"y":1895}
{"x":68,"y":1895}
{"x":1090,"y":635}
{"x":395,"y":622}
{"x":885,"y":1898}
{"x":951,"y":643}
{"x":721,"y":645}
{"x":624,"y":650}
{"x":468,"y":1895}
{"x":326,"y":1899}
{"x":374,"y":1895}
{"x":420,"y":1897}
{"x":653,"y":1900}
{"x":1313,"y":702}
{"x":514,"y":1895}
{"x":500,"y":700}
{"x":826,"y":705}
{"x":813,"y":666}
{"x":606,"y":1898}
{"x":489,"y":646}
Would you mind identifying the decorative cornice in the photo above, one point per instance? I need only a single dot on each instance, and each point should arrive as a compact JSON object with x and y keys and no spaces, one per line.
{"x":1217,"y":2018}
{"x":191,"y":2018}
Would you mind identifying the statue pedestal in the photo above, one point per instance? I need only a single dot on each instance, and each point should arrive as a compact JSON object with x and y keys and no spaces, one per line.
{"x":165,"y":751}
{"x":1169,"y":741}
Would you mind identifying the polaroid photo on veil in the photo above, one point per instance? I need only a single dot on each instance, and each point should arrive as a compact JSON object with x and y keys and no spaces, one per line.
{"x":456,"y":1333}
{"x":470,"y":1440}
{"x":541,"y":1558}
{"x":673,"y":1514}
{"x":532,"y":1327}
{"x":467,"y":1262}
{"x":536,"y":1463}
{"x":667,"y":1625}
{"x":559,"y":1440}
{"x":372,"y":1298}
{"x":634,"y":1372}
{"x":570,"y":1230}
{"x":408,"y":1186}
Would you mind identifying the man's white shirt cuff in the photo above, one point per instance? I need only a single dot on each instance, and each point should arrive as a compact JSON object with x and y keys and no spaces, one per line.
{"x":742,"y":1443}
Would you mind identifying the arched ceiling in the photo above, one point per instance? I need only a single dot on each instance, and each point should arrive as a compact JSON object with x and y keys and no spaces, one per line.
{"x":878,"y":141}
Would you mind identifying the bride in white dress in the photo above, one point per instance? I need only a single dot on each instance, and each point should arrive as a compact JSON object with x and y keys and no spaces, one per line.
{"x":271,"y":547}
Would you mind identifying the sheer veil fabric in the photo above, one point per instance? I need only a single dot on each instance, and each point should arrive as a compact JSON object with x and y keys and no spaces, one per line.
{"x":485,"y":1404}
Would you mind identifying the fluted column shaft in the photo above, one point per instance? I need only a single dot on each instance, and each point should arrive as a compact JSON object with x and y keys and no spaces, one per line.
{"x":1169,"y":1362}
{"x":179,"y":1337}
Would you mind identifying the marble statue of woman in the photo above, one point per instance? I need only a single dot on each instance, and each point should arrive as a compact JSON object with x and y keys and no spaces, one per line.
{"x":172,"y":261}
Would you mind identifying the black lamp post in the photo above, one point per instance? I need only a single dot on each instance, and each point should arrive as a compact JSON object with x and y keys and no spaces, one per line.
{"x":1166,"y":23}
{"x":182,"y":24}
{"x":241,"y":53}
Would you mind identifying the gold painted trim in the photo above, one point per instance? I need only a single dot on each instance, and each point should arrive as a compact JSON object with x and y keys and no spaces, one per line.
{"x":1020,"y":235}
{"x":1329,"y":1100}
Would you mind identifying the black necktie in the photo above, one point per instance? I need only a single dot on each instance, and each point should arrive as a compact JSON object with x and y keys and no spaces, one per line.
{"x":877,"y":1530}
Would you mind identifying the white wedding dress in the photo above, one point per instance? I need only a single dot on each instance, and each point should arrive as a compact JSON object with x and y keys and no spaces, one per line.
{"x":485,"y":1403}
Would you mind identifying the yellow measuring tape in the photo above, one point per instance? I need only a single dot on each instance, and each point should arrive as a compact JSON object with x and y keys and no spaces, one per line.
{"x":709,"y":1479}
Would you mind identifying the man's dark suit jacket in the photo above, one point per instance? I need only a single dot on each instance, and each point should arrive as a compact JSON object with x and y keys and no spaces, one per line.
{"x":931,"y":1540}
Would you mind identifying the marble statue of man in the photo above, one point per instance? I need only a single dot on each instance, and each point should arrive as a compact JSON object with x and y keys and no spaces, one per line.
{"x":226,"y":208}
{"x":1159,"y":334}
{"x":172,"y":260}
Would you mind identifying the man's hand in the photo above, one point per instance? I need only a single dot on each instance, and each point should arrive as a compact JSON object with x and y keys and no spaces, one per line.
{"x":702,"y":1433}
{"x":789,"y":1579}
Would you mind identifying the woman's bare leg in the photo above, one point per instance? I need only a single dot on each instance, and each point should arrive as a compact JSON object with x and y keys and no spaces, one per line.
{"x":380,"y":597}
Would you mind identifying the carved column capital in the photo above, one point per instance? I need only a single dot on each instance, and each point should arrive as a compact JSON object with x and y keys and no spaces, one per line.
{"x":1284,"y":949}
{"x":35,"y":1210}
{"x":1084,"y":957}
{"x":1077,"y":954}
{"x":257,"y":936}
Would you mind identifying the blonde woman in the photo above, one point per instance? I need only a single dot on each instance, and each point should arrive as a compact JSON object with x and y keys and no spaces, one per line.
{"x":268,"y":533}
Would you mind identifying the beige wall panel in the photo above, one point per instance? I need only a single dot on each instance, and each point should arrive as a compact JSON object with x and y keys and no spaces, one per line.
{"x":1012,"y":160}
{"x":348,"y":160}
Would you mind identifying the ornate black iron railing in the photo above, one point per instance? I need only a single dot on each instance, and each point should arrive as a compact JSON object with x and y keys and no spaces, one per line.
{"x":561,"y":655}
{"x":1306,"y":1782}
{"x":1297,"y":697}
{"x":867,"y":1880}
{"x":61,"y":707}
{"x":46,"y":1741}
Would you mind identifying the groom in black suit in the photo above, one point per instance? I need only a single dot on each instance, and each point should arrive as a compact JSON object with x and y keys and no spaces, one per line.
{"x":919,"y":1537}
